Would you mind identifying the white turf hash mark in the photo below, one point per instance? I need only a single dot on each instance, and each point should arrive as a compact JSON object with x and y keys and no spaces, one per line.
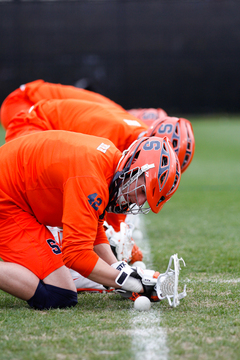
{"x":215,"y":280}
{"x":149,"y":340}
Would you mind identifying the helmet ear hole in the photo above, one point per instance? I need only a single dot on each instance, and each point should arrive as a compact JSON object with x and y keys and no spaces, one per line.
{"x":174,"y":184}
{"x":186,"y":159}
{"x":136,"y":155}
{"x":164,"y":160}
{"x":133,"y":160}
{"x":162,"y":177}
{"x":175,"y":144}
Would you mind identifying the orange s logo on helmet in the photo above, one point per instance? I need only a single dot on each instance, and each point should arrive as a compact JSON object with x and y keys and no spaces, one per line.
{"x":180,"y":132}
{"x":152,"y":145}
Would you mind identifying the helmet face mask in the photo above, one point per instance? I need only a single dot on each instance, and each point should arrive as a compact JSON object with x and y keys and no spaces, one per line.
{"x":132,"y":193}
{"x":148,"y":171}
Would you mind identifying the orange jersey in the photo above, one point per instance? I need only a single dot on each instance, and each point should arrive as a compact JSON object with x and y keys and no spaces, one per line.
{"x":79,"y":116}
{"x":29,"y":94}
{"x":62,"y":179}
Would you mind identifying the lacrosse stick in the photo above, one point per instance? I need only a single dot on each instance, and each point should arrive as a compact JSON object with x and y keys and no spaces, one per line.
{"x":167,"y":283}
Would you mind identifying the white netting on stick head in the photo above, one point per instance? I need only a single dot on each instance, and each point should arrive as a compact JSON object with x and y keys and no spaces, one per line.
{"x":167,"y":283}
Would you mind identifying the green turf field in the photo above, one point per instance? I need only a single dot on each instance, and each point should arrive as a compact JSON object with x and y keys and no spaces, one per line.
{"x":201,"y":224}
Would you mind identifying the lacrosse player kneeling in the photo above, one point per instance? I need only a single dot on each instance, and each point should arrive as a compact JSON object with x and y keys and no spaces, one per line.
{"x":149,"y":283}
{"x":66,"y":179}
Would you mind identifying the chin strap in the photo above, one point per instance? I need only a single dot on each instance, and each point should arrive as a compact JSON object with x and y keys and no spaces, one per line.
{"x":113,"y":190}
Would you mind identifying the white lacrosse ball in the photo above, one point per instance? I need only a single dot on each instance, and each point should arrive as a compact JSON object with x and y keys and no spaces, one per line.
{"x":137,"y":235}
{"x":139,"y":264}
{"x":142,"y":303}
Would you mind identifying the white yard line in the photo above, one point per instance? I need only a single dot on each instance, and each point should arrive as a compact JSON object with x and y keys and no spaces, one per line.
{"x":216,"y":280}
{"x":148,"y":337}
{"x":149,"y":340}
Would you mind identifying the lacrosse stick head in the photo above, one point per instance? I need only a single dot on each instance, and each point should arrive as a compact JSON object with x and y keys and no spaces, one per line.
{"x":167,"y":283}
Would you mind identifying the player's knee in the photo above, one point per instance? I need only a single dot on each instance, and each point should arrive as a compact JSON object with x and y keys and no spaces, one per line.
{"x":49,"y":296}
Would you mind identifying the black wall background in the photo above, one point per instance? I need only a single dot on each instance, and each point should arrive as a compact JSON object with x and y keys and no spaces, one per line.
{"x":183,"y":56}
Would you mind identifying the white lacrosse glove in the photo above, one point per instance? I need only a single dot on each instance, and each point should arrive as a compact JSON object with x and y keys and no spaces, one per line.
{"x":146,"y":280}
{"x":121,"y":242}
{"x":149,"y":280}
{"x":128,"y":279}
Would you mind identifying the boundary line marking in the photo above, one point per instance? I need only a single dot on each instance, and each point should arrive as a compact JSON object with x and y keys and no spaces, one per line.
{"x":149,"y":339}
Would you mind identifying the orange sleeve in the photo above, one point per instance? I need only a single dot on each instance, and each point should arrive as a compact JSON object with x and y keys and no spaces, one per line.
{"x":84,"y":202}
{"x":101,"y":237}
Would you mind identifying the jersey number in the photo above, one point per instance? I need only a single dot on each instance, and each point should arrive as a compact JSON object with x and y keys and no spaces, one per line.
{"x":55,"y":248}
{"x":94,"y":201}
